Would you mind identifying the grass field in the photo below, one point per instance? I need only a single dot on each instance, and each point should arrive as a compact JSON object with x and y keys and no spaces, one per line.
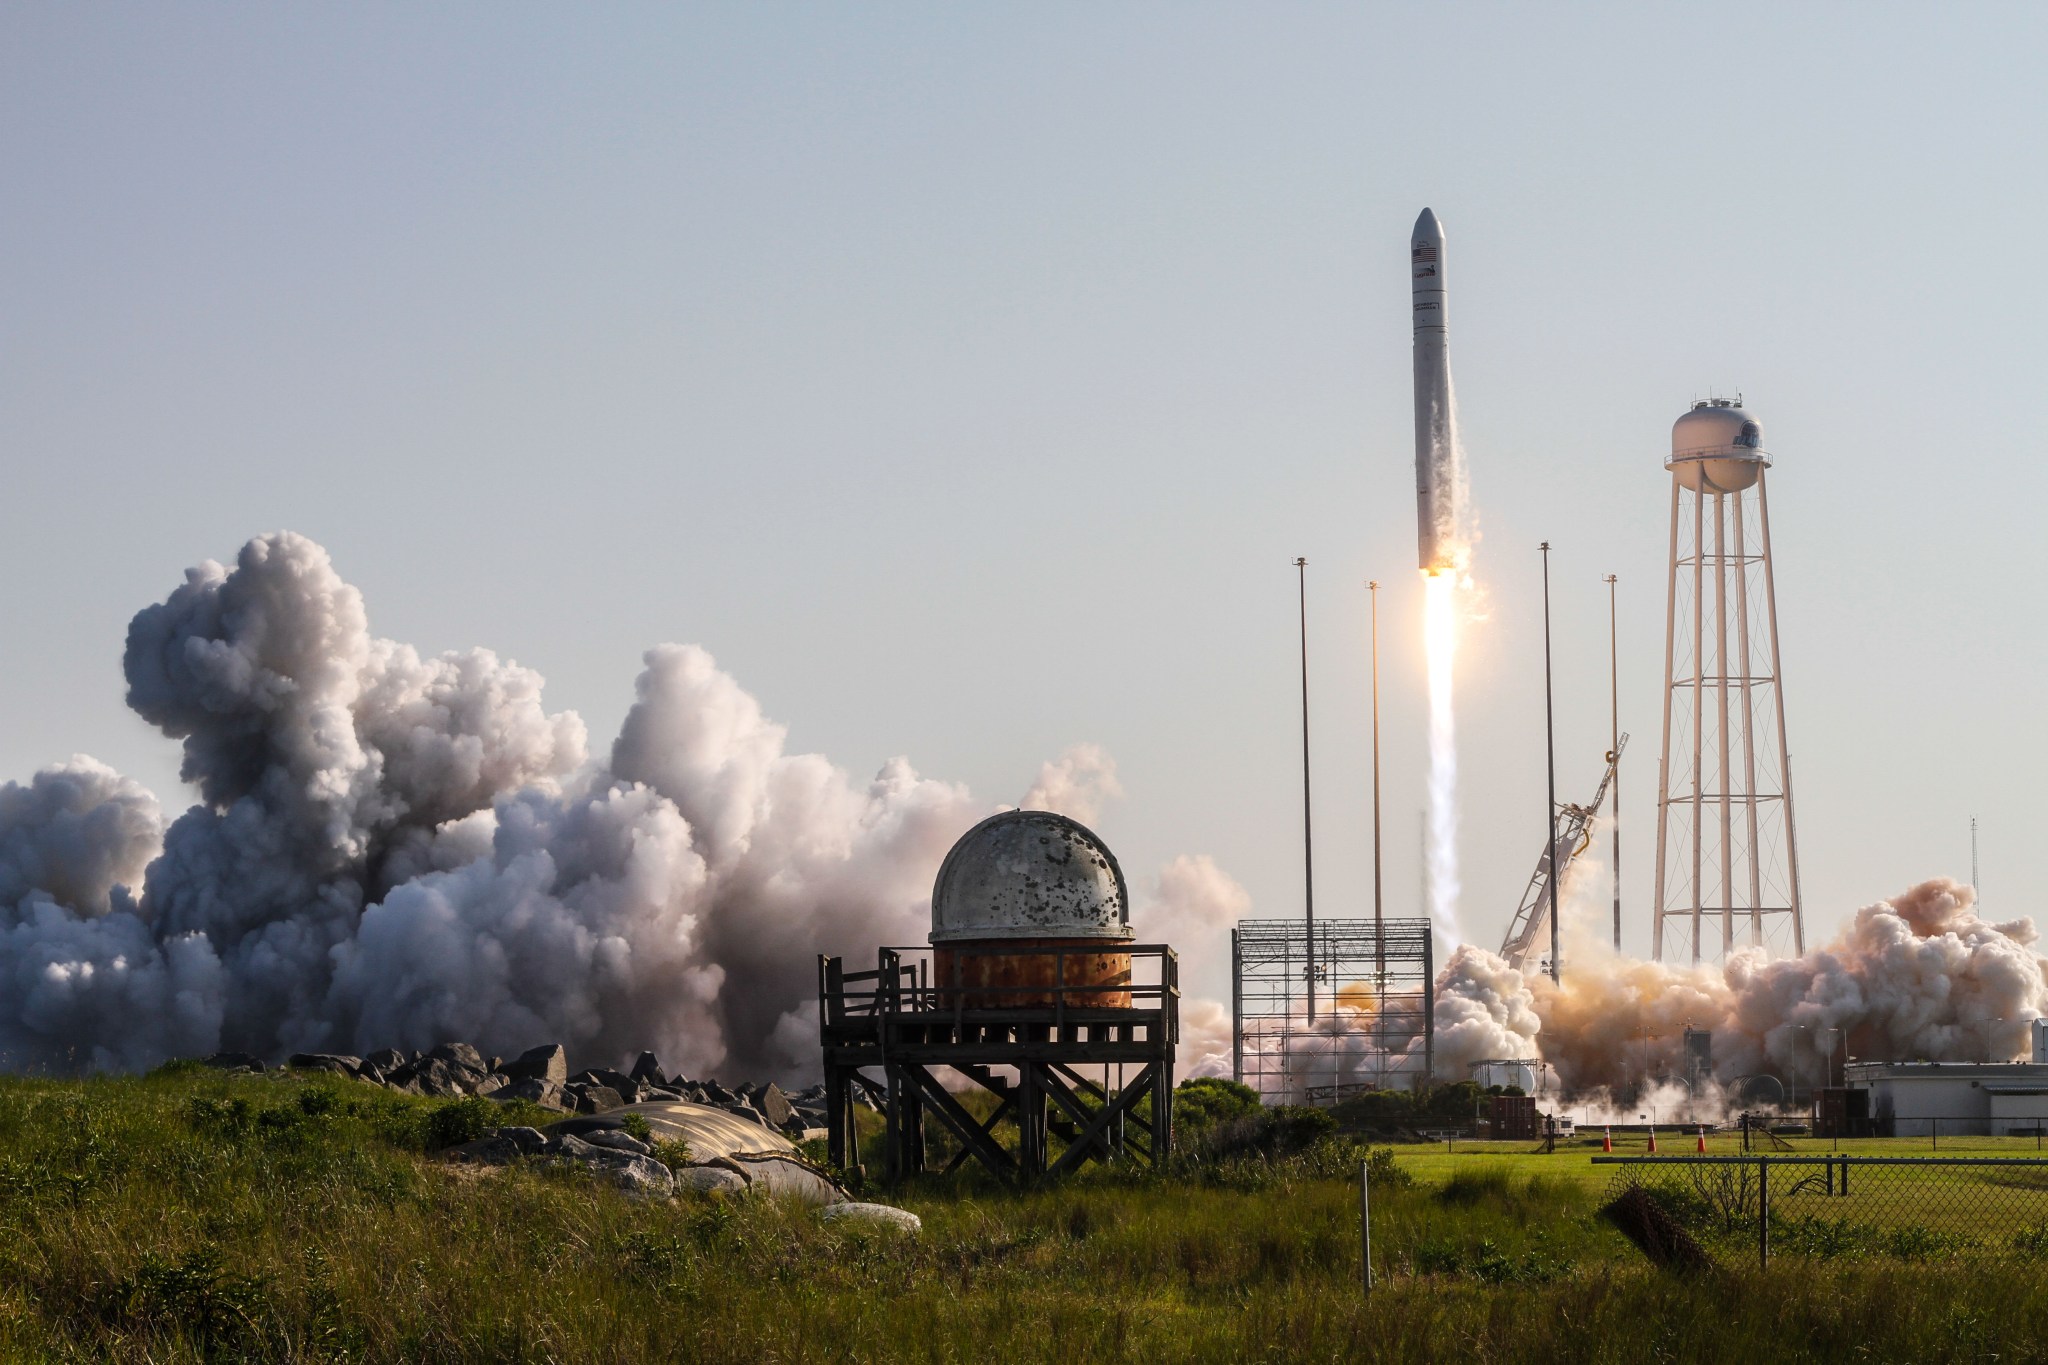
{"x":194,"y":1216}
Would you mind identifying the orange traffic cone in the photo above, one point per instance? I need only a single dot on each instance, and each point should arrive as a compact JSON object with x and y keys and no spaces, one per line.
{"x":1703,"y":1137}
{"x":1653,"y":1140}
{"x":1606,"y":1139}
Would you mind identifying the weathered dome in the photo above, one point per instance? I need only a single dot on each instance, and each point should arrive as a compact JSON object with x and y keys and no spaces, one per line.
{"x":1029,"y":874}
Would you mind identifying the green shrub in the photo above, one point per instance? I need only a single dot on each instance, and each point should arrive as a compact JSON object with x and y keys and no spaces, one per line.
{"x":229,"y":1116}
{"x":1384,"y":1172}
{"x":193,"y":1295}
{"x":636,"y":1126}
{"x":459,"y":1121}
{"x":1202,"y":1103}
{"x":671,"y":1152}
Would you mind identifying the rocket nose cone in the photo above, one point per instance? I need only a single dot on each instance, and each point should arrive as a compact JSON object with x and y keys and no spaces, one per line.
{"x":1428,"y":229}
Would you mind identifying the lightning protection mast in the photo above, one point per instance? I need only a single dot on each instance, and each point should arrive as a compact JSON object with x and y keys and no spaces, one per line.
{"x":1727,"y":854}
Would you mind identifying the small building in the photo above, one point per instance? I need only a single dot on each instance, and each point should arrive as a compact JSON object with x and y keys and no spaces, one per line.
{"x":1512,"y":1118}
{"x":1922,"y":1099}
{"x":1841,"y":1112}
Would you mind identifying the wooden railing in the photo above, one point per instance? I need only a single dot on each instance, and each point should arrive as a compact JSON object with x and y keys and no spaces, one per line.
{"x":902,"y":984}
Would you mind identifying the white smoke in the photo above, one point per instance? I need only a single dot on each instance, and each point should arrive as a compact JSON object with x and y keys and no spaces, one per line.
{"x":396,"y":851}
{"x":1205,"y":1039}
{"x":1077,"y":785}
{"x":1917,"y":977}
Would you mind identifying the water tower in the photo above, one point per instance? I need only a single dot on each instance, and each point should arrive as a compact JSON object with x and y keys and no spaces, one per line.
{"x":1727,"y":855}
{"x":1031,"y":989}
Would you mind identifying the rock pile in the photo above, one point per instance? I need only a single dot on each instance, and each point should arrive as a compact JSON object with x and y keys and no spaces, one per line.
{"x":541,"y":1075}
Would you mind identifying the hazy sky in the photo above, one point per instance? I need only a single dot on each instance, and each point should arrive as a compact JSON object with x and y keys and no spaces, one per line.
{"x":967,"y":379}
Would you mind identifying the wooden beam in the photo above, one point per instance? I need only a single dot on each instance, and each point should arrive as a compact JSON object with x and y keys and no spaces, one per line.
{"x":1095,"y":1131}
{"x":963,"y":1125}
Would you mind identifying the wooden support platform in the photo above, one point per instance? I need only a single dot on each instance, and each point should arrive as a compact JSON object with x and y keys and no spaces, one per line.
{"x":889,"y":1033}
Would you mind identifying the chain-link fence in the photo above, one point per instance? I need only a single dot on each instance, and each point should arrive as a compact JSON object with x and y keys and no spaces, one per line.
{"x":1833,"y":1205}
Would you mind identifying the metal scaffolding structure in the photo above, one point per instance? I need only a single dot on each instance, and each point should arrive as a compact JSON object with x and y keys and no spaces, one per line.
{"x":1375,"y":1031}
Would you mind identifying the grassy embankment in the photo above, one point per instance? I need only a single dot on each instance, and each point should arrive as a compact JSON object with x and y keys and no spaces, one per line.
{"x":189,"y":1215}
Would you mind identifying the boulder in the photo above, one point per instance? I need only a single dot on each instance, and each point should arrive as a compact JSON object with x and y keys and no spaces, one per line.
{"x":872,"y":1215}
{"x":711,"y":1180}
{"x":385,"y":1059}
{"x":547,"y":1094}
{"x":647,"y":1070}
{"x":325,"y":1061}
{"x":741,"y":1109}
{"x":549,"y":1063}
{"x":641,"y":1177}
{"x":774,"y":1105}
{"x":491,"y":1084}
{"x":786,"y":1177}
{"x":234,"y":1061}
{"x":495,"y":1150}
{"x":462,"y":1055}
{"x":711,"y":1092}
{"x":605,"y":1076}
{"x":570,"y":1146}
{"x":436,"y":1076}
{"x":529,"y":1141}
{"x":594,"y":1099}
{"x":618,"y":1140}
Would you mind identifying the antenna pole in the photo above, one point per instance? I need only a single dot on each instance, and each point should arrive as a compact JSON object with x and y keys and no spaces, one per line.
{"x":1614,"y":749}
{"x":1550,"y":746}
{"x":1308,"y":865}
{"x":1379,"y":924}
{"x":1379,"y":929}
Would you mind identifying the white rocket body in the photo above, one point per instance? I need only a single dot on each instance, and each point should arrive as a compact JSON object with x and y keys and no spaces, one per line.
{"x":1436,"y":450}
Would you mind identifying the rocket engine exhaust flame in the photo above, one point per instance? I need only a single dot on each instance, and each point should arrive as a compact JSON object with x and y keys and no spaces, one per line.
{"x":1440,"y":648}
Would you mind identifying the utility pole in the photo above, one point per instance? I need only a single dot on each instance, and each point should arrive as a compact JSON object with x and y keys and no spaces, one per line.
{"x":1550,"y":805}
{"x":1308,"y":865}
{"x":1614,"y":749}
{"x":1379,"y":925}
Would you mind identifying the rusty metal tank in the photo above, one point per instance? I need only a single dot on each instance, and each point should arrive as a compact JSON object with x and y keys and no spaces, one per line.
{"x":1028,"y":901}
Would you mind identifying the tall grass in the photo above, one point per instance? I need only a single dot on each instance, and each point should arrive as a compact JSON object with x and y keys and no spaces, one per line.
{"x":188,"y":1217}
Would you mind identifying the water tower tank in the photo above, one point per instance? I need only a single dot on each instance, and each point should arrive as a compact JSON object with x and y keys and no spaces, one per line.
{"x":1031,"y":899}
{"x":1511,"y":1072}
{"x":1717,"y":448}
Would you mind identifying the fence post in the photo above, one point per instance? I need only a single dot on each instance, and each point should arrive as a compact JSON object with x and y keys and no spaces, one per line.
{"x":1763,"y":1210}
{"x":1365,"y":1221}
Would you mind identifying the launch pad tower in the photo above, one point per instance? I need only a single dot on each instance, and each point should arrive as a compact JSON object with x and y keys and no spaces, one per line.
{"x":1727,"y":854}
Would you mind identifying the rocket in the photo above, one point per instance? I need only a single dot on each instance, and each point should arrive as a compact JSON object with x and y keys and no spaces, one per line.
{"x":1437,"y":476}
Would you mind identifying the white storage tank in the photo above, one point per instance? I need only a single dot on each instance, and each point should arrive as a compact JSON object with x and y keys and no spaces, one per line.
{"x":1506,"y":1072}
{"x":1717,"y":448}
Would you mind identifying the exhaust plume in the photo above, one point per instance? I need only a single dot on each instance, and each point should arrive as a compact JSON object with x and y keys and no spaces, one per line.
{"x":1917,"y":977}
{"x":391,"y":850}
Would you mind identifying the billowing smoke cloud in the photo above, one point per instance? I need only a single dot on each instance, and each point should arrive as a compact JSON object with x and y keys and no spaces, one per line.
{"x":1917,"y":977}
{"x":390,"y":850}
{"x":1078,"y":784}
{"x":86,"y":979}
